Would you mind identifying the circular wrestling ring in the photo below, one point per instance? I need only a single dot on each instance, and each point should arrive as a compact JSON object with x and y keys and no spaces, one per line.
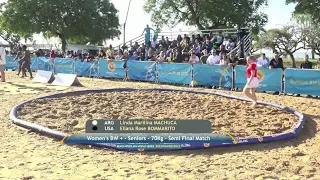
{"x":292,"y":133}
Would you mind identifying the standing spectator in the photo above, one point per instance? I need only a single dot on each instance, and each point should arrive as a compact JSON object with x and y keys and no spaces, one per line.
{"x":204,"y":57}
{"x":318,"y":63}
{"x":263,"y":61}
{"x":233,"y":60}
{"x":2,"y":64}
{"x":276,"y":62}
{"x":148,"y":34}
{"x":306,"y":64}
{"x":52,"y":56}
{"x":194,"y":59}
{"x":213,"y":58}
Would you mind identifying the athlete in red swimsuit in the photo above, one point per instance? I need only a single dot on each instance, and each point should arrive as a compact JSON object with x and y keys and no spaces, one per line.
{"x":252,"y":80}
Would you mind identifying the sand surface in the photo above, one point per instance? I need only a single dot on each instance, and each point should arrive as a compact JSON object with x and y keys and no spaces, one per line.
{"x":27,"y":155}
{"x":69,"y":114}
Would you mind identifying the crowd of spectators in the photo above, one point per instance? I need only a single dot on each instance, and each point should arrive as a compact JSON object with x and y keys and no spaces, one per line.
{"x":210,"y":49}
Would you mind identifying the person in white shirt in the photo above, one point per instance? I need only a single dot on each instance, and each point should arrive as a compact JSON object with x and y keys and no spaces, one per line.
{"x":213,"y":58}
{"x":154,"y":43}
{"x":263,"y":61}
{"x":2,"y":63}
{"x":194,"y":59}
{"x":161,"y":58}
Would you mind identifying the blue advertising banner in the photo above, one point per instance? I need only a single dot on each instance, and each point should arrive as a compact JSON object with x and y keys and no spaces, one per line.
{"x":64,"y":65}
{"x":141,"y":70}
{"x":302,"y":81}
{"x":87,"y":69}
{"x":113,"y":69}
{"x":174,"y":73}
{"x":43,"y":64}
{"x":34,"y":64}
{"x":269,"y":79}
{"x":10,"y":64}
{"x":212,"y":75}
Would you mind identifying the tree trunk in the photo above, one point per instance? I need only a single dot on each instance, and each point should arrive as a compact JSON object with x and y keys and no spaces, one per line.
{"x":11,"y":46}
{"x":64,"y":44}
{"x":293,"y":60}
{"x":312,"y":53}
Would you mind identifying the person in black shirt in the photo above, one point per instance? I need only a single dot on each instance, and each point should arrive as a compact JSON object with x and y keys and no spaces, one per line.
{"x":306,"y":64}
{"x":179,"y":58}
{"x":276,"y":62}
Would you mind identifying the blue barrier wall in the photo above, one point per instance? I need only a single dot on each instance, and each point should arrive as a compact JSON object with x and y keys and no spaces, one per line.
{"x":270,"y":79}
{"x":10,"y":64}
{"x":297,"y":81}
{"x":174,"y":73}
{"x":302,"y":81}
{"x":87,"y":69}
{"x":65,"y":66}
{"x":141,"y":70}
{"x":112,"y":69}
{"x":207,"y":75}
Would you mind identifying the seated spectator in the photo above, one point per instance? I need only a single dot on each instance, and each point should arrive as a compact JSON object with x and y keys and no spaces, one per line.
{"x":154,"y":43}
{"x":306,"y":64}
{"x":194,"y":59}
{"x":222,"y":49}
{"x":119,"y":56}
{"x":161,"y":58}
{"x":204,"y":57}
{"x":135,"y":57}
{"x":102,"y":54}
{"x":177,"y":57}
{"x":223,"y":59}
{"x":263,"y":61}
{"x":233,"y":60}
{"x":276,"y":62}
{"x":230,"y":45}
{"x":213,"y":58}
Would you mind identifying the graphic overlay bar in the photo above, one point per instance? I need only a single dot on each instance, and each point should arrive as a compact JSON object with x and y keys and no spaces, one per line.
{"x":96,"y":138}
{"x":148,"y":126}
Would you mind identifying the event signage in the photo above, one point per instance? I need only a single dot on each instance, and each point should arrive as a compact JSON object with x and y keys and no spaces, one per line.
{"x":296,"y":81}
{"x":141,"y":70}
{"x":112,"y":69}
{"x":269,"y":79}
{"x":174,"y":73}
{"x":212,"y":75}
{"x":302,"y":81}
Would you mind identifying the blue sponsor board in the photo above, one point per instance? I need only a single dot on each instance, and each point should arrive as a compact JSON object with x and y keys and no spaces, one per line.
{"x":174,"y":73}
{"x":212,"y":75}
{"x":112,"y":69}
{"x":65,"y":66}
{"x":302,"y":81}
{"x":269,"y":79}
{"x":141,"y":70}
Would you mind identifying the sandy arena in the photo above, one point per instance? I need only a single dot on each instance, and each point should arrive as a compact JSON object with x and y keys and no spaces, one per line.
{"x":70,"y":113}
{"x":27,"y":155}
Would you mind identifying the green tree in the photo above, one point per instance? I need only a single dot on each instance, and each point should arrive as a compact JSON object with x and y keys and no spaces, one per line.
{"x":284,"y":41}
{"x":311,"y":7}
{"x":210,"y":14}
{"x":93,"y":20}
{"x":311,"y":31}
